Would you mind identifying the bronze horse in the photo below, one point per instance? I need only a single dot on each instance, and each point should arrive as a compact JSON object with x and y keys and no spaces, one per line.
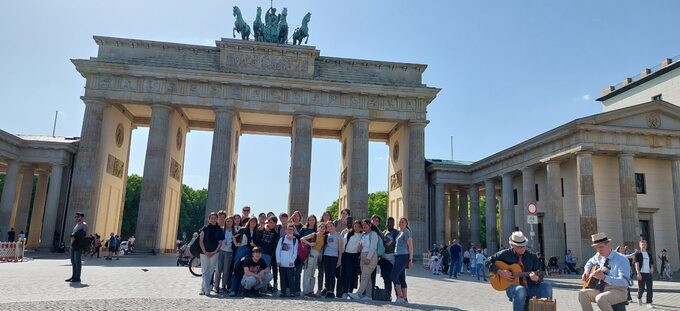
{"x":240,"y":25}
{"x":302,"y":31}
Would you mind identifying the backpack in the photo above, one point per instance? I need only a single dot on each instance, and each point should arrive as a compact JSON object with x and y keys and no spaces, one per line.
{"x":381,"y":248}
{"x":195,"y":247}
{"x":302,"y":251}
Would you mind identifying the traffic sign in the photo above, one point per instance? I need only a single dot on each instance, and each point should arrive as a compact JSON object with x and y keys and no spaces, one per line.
{"x":532,"y":208}
{"x":532,"y":219}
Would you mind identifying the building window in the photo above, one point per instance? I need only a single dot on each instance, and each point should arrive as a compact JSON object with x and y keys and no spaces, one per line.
{"x":656,"y":97}
{"x":562,"y":185}
{"x":514,"y":196}
{"x":536,"y":189}
{"x":640,"y":186}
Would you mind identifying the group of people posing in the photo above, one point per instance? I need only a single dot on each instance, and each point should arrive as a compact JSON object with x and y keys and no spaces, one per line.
{"x":242,"y":255}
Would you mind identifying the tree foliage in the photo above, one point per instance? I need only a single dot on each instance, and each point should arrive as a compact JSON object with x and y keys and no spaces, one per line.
{"x":377,"y":205}
{"x":191,"y":209}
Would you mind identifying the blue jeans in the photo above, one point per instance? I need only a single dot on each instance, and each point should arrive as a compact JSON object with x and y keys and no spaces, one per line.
{"x":520,"y":295}
{"x":76,"y":263}
{"x":481,"y":271}
{"x":267,"y":260}
{"x":454,"y":269}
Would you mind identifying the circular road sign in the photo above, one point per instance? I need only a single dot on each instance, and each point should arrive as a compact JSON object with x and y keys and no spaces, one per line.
{"x":532,"y":208}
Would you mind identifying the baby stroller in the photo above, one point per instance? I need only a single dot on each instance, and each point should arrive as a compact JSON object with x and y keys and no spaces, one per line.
{"x":552,"y":267}
{"x":183,"y":255}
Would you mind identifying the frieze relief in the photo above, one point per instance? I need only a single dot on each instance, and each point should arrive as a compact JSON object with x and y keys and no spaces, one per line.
{"x":273,"y":64}
{"x":250,"y":93}
{"x":114,"y":166}
{"x":175,"y":170}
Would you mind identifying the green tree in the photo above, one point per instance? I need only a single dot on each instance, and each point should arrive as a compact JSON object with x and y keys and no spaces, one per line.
{"x":377,"y":205}
{"x":133,"y":190}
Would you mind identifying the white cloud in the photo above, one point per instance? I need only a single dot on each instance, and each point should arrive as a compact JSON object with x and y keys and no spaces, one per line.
{"x":585,"y":97}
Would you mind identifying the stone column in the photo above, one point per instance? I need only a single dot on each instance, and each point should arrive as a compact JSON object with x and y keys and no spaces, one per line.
{"x":629,"y":204}
{"x":154,"y":183}
{"x":220,"y":161}
{"x":453,"y":217}
{"x":439,"y":203}
{"x":38,"y":211}
{"x":357,"y":171}
{"x":508,"y":220}
{"x":51,"y":208}
{"x":553,"y":232}
{"x":416,"y":199}
{"x":24,"y":206}
{"x":474,"y":215}
{"x":528,"y":196}
{"x":87,"y":171}
{"x":676,"y":197}
{"x":301,"y":165}
{"x":9,"y":192}
{"x":464,"y":226}
{"x":491,"y":232}
{"x":586,"y":200}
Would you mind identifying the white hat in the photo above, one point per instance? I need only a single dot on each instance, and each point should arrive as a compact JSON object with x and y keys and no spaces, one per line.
{"x":517,"y":238}
{"x":598,"y":238}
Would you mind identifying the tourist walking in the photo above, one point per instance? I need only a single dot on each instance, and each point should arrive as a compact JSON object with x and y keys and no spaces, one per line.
{"x":479,"y":265}
{"x":455,"y":251}
{"x":286,"y":253}
{"x":403,"y":260}
{"x":332,"y":258}
{"x":665,"y":273}
{"x":210,"y":240}
{"x":79,"y":242}
{"x":224,"y":264}
{"x":368,"y":260}
{"x":111,"y":246}
{"x":644,"y":267}
{"x":466,"y":261}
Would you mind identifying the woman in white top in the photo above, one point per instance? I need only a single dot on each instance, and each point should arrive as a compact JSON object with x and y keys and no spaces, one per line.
{"x":226,"y":253}
{"x":369,"y":260}
{"x":350,"y":258}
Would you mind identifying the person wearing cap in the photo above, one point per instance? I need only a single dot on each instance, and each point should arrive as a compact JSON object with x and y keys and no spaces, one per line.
{"x":616,"y":278}
{"x":531,"y":286}
{"x":79,"y":243}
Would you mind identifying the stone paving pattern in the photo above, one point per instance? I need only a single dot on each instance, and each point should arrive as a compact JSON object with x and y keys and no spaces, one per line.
{"x":123,"y":285}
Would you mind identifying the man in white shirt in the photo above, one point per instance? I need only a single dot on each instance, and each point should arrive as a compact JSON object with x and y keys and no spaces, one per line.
{"x":644,"y":266}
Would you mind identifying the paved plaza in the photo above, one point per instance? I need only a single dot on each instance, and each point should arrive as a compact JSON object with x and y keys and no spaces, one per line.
{"x":155,"y":283}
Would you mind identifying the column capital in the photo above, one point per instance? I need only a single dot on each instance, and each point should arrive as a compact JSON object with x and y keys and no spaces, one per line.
{"x":360,"y":120}
{"x":528,"y":169}
{"x":626,"y":154}
{"x":553,"y":162}
{"x":155,"y":106}
{"x":94,"y":101}
{"x":507,"y":175}
{"x":422,"y":123}
{"x":304,"y":116}
{"x":584,"y":152}
{"x":226,"y":110}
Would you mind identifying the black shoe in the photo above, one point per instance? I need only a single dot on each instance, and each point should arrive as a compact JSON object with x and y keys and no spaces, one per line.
{"x":75,"y":280}
{"x":330,"y":295}
{"x":255,"y":293}
{"x":246,"y":293}
{"x":68,"y":280}
{"x":283,"y":295}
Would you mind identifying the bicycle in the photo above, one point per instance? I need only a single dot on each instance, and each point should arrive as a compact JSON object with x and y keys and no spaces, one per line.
{"x":195,"y":266}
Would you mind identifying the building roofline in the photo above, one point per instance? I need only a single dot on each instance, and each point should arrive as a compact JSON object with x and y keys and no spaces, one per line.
{"x":647,"y":75}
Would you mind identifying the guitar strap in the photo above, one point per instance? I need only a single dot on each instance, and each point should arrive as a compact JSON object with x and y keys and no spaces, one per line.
{"x":522,"y":280}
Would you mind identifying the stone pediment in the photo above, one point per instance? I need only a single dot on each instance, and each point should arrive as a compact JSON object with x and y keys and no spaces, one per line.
{"x":656,"y":115}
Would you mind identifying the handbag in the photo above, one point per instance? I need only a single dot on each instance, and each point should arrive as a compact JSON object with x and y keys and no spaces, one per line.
{"x":381,"y":294}
{"x":302,"y":251}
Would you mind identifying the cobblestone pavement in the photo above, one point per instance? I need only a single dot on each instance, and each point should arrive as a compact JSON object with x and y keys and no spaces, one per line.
{"x":124,"y":285}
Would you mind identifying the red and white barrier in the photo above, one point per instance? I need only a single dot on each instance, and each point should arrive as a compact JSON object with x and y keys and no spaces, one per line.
{"x":11,"y":251}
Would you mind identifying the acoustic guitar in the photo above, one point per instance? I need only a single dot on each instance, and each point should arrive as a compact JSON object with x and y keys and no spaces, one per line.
{"x":500,"y":283}
{"x":594,"y":283}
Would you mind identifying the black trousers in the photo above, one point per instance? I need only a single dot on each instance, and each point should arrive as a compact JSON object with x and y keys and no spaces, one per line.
{"x":385,"y":271}
{"x":329,"y":265}
{"x":645,"y":283}
{"x":287,"y":280}
{"x":350,"y":265}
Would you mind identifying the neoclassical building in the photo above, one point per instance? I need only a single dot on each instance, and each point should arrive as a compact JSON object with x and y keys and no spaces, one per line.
{"x":616,"y":172}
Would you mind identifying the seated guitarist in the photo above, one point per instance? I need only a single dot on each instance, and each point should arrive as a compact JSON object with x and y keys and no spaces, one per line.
{"x":616,"y":278}
{"x":530,"y":286}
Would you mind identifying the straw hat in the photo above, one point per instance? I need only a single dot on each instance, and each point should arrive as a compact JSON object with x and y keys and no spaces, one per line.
{"x":598,"y":238}
{"x":517,"y":238}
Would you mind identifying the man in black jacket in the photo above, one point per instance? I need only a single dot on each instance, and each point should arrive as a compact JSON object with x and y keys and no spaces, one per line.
{"x":79,"y":242}
{"x":644,"y":266}
{"x":530,"y":286}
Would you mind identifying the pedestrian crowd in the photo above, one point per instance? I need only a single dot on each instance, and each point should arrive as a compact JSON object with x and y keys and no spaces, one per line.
{"x":244,"y":255}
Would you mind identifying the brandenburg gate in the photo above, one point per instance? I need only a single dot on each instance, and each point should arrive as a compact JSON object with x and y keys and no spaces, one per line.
{"x":242,"y":87}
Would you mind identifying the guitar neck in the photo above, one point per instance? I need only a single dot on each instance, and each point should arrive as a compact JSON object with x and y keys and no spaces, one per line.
{"x":526,"y":274}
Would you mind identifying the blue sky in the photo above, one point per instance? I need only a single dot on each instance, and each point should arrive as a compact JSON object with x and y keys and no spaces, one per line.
{"x":509,"y":70}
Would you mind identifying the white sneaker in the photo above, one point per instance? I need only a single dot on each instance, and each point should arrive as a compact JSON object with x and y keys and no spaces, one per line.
{"x":400,"y":300}
{"x":344,"y":296}
{"x":353,"y":295}
{"x":650,"y":306}
{"x":639,"y":302}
